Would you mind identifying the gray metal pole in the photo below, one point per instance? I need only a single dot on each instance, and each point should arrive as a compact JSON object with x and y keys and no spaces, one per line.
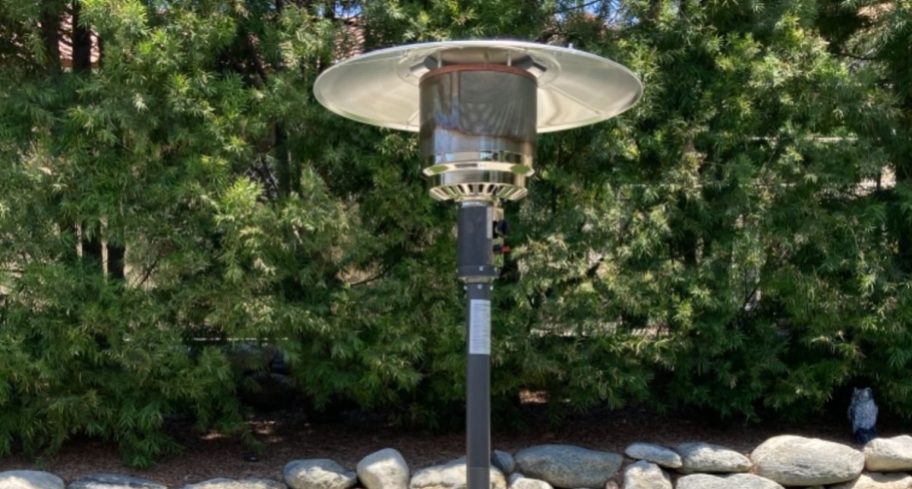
{"x":476,"y":269}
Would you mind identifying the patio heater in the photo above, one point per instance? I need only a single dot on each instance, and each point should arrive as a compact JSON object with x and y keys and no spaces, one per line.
{"x":477,"y":107}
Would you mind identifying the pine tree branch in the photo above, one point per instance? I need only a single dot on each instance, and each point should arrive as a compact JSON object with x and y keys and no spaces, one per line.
{"x":577,"y":7}
{"x":383,"y":273}
{"x":147,"y":272}
{"x":856,"y":56}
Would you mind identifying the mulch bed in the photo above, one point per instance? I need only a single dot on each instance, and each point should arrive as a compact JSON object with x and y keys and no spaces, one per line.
{"x":209,"y":456}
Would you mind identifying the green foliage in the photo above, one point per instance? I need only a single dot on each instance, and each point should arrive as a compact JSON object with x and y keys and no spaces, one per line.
{"x":722,"y":246}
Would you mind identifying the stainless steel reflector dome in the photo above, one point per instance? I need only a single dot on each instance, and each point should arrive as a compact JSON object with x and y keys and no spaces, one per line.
{"x":478,"y":105}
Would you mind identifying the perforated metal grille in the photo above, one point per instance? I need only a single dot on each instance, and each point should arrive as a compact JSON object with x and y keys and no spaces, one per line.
{"x":478,"y":191}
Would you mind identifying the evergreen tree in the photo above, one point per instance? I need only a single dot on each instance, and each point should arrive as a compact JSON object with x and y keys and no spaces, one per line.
{"x":169,"y":185}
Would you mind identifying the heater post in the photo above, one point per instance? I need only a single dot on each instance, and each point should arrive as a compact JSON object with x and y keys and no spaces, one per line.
{"x":478,"y":107}
{"x":475,"y":260}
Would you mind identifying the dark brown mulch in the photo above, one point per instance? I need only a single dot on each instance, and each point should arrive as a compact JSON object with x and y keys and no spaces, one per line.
{"x":210,"y":456}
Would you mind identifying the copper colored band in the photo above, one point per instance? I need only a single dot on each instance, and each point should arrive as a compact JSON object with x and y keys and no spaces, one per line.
{"x":478,"y":67}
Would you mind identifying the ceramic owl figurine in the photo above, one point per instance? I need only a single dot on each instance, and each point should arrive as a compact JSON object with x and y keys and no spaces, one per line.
{"x":863,"y":415}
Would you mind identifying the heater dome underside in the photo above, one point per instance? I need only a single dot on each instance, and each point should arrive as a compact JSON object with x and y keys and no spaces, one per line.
{"x":574,"y":88}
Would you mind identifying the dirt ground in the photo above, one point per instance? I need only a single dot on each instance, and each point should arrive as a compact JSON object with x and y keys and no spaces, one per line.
{"x":210,"y":455}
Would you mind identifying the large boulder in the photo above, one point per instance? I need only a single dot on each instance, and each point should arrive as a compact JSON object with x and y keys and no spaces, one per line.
{"x":568,"y":466}
{"x":656,"y":454}
{"x":875,"y":480}
{"x":889,"y":454}
{"x":319,"y":473}
{"x":451,"y":475}
{"x":798,"y":461}
{"x":503,"y":461}
{"x":733,"y":481}
{"x":645,"y":475}
{"x":385,"y":469}
{"x":527,"y":483}
{"x":113,"y":481}
{"x":29,"y":479}
{"x":222,"y":483}
{"x":705,"y":457}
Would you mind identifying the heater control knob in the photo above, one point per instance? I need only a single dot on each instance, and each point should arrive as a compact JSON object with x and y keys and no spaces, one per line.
{"x":500,"y":228}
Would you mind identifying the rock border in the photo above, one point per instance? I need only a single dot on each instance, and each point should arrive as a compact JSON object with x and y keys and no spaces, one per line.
{"x":781,"y":461}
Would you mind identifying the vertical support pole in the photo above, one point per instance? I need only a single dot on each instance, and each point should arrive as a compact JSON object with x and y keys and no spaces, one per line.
{"x":476,"y":270}
{"x":478,"y":387}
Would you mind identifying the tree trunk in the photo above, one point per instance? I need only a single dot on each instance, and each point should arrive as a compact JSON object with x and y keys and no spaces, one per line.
{"x":904,"y":178}
{"x":82,"y":42}
{"x":112,"y":257}
{"x":50,"y":25}
{"x":284,"y":168}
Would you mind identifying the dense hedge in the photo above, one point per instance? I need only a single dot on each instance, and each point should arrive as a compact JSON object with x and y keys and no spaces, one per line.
{"x":735,"y":243}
